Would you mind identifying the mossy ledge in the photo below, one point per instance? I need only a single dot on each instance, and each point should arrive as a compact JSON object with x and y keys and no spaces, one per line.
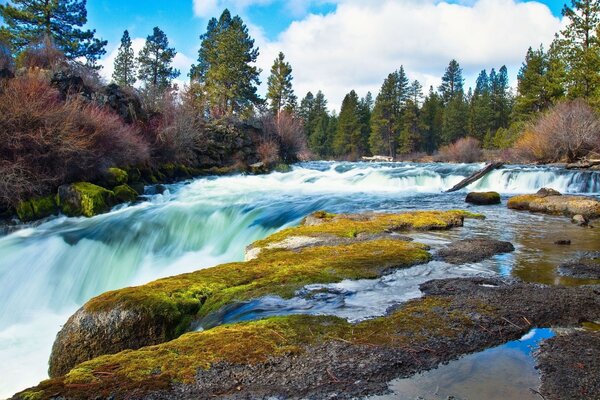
{"x":551,"y":202}
{"x":162,"y":310}
{"x":316,"y":357}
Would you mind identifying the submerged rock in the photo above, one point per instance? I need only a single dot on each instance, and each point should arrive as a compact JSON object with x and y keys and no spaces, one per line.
{"x":550,"y":201}
{"x":125,"y":194}
{"x":321,"y":357}
{"x":585,"y":267}
{"x":580,"y":220}
{"x":473,"y":250}
{"x":168,"y":307}
{"x":483,"y":198}
{"x":84,"y":199}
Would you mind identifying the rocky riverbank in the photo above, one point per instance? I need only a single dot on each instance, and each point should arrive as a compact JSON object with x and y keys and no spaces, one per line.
{"x":100,"y":352}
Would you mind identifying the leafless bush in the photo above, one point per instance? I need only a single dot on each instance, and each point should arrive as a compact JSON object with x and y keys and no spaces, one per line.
{"x":287,"y":130}
{"x":569,"y":132}
{"x":268,"y":152}
{"x":45,"y":141}
{"x":43,"y":54}
{"x":465,"y":150}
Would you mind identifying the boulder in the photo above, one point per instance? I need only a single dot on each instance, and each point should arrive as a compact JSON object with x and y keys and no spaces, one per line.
{"x":124,"y":102}
{"x":549,"y":201}
{"x":125,"y":194}
{"x":483,"y":198}
{"x":114,"y":177}
{"x":37,"y":208}
{"x":84,"y":199}
{"x":580,"y":220}
{"x":473,"y":250}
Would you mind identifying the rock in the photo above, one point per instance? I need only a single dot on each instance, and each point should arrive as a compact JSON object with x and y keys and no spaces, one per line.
{"x":483,"y":198}
{"x":125,"y":194}
{"x":473,"y":250}
{"x":124,"y":102}
{"x":549,"y":201}
{"x":316,"y":357}
{"x":570,"y":366}
{"x":580,"y":220}
{"x":139,"y":187}
{"x":563,"y":242}
{"x":69,"y":84}
{"x":586,"y":266}
{"x":38,"y":208}
{"x":164,"y":309}
{"x":84,"y":199}
{"x":114,"y":177}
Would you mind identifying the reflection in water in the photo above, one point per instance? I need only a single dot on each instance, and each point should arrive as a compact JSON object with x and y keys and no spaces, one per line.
{"x":505,"y":372}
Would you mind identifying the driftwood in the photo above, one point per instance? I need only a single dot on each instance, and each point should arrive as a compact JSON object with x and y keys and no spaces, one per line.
{"x":379,"y":158}
{"x":476,"y":176}
{"x":583,"y":164}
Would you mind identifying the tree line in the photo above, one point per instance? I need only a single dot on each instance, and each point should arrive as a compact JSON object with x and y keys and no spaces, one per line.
{"x":400,"y":119}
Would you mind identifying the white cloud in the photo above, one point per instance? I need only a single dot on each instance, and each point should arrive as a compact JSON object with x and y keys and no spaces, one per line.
{"x":356,"y":46}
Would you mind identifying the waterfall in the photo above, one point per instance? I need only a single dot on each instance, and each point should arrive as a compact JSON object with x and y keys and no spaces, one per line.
{"x":48,"y":271}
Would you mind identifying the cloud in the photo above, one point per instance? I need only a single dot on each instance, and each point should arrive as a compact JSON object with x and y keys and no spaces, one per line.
{"x":356,"y":46}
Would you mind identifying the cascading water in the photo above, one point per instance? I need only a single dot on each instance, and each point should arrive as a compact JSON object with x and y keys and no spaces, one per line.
{"x":49,"y":270}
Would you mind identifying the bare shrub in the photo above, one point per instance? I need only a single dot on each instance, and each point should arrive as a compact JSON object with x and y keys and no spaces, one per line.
{"x":42,"y":54}
{"x":45,"y":141}
{"x":464,"y":150}
{"x":268,"y":152}
{"x":288,"y":131}
{"x":568,"y":132}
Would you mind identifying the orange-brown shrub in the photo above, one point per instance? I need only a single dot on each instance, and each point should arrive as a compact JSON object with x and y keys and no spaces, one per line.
{"x":568,"y":132}
{"x":43,"y":54}
{"x":464,"y":150}
{"x":45,"y":141}
{"x":287,"y":130}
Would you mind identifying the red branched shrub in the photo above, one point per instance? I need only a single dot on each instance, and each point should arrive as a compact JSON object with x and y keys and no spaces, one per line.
{"x":568,"y":132}
{"x":287,"y":130}
{"x":45,"y":141}
{"x":464,"y":150}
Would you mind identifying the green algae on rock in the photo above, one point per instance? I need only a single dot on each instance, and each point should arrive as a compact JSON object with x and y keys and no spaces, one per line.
{"x":84,"y":199}
{"x":162,"y":310}
{"x":483,"y":198}
{"x":125,"y":194}
{"x":37,"y":208}
{"x":315,"y":356}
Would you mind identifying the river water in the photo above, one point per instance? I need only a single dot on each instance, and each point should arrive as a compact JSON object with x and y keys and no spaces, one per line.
{"x":49,"y":270}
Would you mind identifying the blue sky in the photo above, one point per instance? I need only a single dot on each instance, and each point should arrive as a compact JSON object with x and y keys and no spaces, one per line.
{"x":339,"y":45}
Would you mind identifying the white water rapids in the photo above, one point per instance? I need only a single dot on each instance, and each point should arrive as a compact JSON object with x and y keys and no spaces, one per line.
{"x":49,"y":270}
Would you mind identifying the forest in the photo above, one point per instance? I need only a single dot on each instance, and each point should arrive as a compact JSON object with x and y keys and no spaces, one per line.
{"x":61,"y":122}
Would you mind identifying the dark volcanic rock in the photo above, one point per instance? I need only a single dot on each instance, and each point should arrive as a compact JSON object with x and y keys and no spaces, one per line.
{"x":473,"y":250}
{"x":483,"y":198}
{"x":570,"y":366}
{"x":585,"y":267}
{"x":563,"y":242}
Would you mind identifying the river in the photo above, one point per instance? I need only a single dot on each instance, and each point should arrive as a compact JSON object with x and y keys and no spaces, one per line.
{"x":50,"y":269}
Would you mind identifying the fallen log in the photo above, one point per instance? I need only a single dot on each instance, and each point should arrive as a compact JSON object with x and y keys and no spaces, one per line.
{"x":476,"y":176}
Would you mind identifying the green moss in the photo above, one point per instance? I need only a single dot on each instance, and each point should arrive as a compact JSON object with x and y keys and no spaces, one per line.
{"x":521,"y":202}
{"x":411,"y":326}
{"x":116,"y":176}
{"x":85,"y":199}
{"x":483,"y":198}
{"x":37,"y":208}
{"x":323,"y":223}
{"x":283,"y":168}
{"x":125,"y":194}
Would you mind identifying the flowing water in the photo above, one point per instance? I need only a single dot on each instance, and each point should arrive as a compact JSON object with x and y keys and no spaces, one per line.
{"x":49,"y":270}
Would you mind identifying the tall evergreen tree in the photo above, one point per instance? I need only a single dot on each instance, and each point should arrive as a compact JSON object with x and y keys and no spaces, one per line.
{"x":279,"y":86}
{"x":226,"y":67}
{"x":125,"y":63}
{"x":481,"y":107}
{"x":500,"y":98}
{"x":30,"y":21}
{"x":411,"y":135}
{"x":455,"y":121}
{"x":452,"y":82}
{"x":346,"y":141}
{"x":431,"y":121}
{"x":581,"y":48}
{"x":155,"y":62}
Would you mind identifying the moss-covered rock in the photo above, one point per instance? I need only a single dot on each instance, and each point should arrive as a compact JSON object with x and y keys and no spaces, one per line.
{"x":37,"y":208}
{"x":84,"y":199}
{"x":483,"y":198}
{"x":125,"y":194}
{"x":115,"y":177}
{"x":162,"y":310}
{"x":549,"y":201}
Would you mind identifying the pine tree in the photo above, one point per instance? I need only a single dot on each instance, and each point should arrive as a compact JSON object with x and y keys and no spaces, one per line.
{"x":452,"y":82}
{"x":431,"y":121}
{"x":455,"y":121}
{"x":346,"y":141}
{"x":411,"y":135}
{"x":365,"y":109}
{"x":500,"y":99}
{"x":155,"y":61}
{"x":581,"y":48}
{"x":313,"y":110}
{"x":30,"y":21}
{"x":225,"y":66}
{"x":279,"y":86}
{"x":319,"y":141}
{"x":125,"y":63}
{"x":481,"y":107}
